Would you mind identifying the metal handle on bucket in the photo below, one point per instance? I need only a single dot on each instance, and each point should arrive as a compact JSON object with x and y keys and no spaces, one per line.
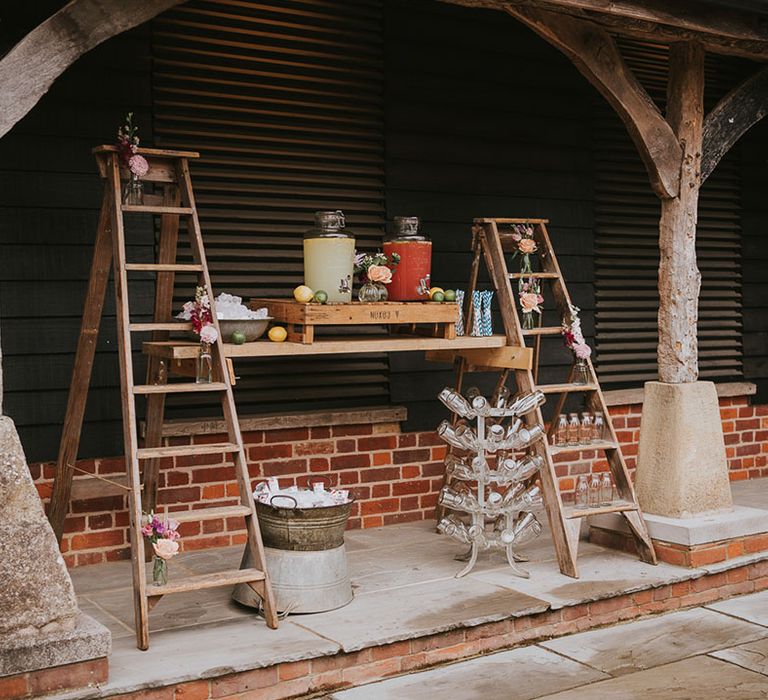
{"x":280,"y":495}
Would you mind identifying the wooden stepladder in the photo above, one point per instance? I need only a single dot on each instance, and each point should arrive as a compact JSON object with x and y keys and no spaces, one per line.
{"x":492,"y":245}
{"x":169,"y":171}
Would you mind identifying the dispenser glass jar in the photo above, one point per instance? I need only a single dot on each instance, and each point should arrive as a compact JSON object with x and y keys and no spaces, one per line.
{"x":329,"y":256}
{"x":410,"y":279}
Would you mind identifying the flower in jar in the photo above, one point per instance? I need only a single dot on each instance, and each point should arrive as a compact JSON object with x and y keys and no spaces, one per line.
{"x":138,"y":165}
{"x":527,"y":246}
{"x":379,"y":273}
{"x":529,"y":302}
{"x":166,"y":549}
{"x":582,"y":351}
{"x":208,"y":334}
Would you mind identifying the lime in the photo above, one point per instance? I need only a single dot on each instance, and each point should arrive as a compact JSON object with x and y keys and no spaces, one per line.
{"x":277,"y":334}
{"x":438,"y":296}
{"x":238,"y":337}
{"x":321,"y":296}
{"x":303,"y":294}
{"x":450,"y":295}
{"x":435,"y":290}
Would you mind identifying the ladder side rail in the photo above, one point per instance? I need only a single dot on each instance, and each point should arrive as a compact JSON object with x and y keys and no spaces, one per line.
{"x":254,"y":542}
{"x":83,"y":366}
{"x":130,"y":437}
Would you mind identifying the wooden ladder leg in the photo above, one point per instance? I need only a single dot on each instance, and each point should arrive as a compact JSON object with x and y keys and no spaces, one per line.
{"x":254,"y":545}
{"x":81,"y":374}
{"x":157,"y":368}
{"x":130,"y":437}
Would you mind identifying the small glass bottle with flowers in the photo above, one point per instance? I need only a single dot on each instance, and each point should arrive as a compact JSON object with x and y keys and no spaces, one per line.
{"x":200,"y":314}
{"x":136,"y":164}
{"x":164,"y":537}
{"x":374,"y":272}
{"x":574,"y":341}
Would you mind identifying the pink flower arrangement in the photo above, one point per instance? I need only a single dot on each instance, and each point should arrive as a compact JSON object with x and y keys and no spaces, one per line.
{"x":138,"y":165}
{"x":522,"y":234}
{"x":380,"y":273}
{"x":199,"y":313}
{"x":573,"y":337}
{"x":157,"y":531}
{"x":128,"y":148}
{"x":531,"y":300}
{"x":375,"y":268}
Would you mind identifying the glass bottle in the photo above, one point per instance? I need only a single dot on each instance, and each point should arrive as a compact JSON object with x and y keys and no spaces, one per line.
{"x":581,"y":372}
{"x":594,"y":491}
{"x":411,"y":277}
{"x":133,"y":192}
{"x":329,"y":256}
{"x":204,"y":372}
{"x":598,"y":427}
{"x":573,"y":429}
{"x":606,"y":490}
{"x":582,"y":492}
{"x":455,"y":402}
{"x":585,"y":429}
{"x":561,"y":435}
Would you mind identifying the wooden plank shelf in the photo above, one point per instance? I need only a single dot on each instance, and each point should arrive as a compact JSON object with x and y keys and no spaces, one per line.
{"x":186,"y":516}
{"x":537,"y":275}
{"x":175,"y":350}
{"x":565,"y":388}
{"x":156,"y":209}
{"x":598,"y":445}
{"x":211,"y":448}
{"x":543,"y":330}
{"x":196,"y":583}
{"x":571,"y":512}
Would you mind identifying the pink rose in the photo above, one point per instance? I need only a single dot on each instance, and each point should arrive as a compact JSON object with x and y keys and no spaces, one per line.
{"x":166,"y":549}
{"x":208,"y":334}
{"x":527,"y":245}
{"x":582,"y":351}
{"x":138,"y":165}
{"x":146,"y":530}
{"x":529,"y":302}
{"x":379,"y":273}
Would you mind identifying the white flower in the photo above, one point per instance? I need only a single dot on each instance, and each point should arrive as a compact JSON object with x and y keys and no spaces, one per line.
{"x":208,"y":334}
{"x":166,"y":549}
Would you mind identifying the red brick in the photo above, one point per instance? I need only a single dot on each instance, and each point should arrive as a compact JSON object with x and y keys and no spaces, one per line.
{"x":288,"y":435}
{"x":343,"y":430}
{"x":386,"y":505}
{"x":102,"y":521}
{"x":185,"y":494}
{"x":411,"y":456}
{"x":207,"y":476}
{"x":406,"y":487}
{"x":291,"y":466}
{"x":257,"y":453}
{"x":94,"y":505}
{"x":196,"y":690}
{"x":213,"y":492}
{"x":97,"y":540}
{"x":381,"y":490}
{"x":345,"y":446}
{"x":756,"y":543}
{"x":708,"y":556}
{"x":287,"y":672}
{"x":380,"y":458}
{"x":406,"y":440}
{"x":378,"y":669}
{"x":320,"y":433}
{"x":380,"y":474}
{"x":80,"y":675}
{"x":13,"y":687}
{"x":353,"y":461}
{"x":379,"y":442}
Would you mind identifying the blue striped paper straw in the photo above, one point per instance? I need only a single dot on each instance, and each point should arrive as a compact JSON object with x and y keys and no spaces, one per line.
{"x":477,"y":310}
{"x":460,"y":302}
{"x":486,"y":323}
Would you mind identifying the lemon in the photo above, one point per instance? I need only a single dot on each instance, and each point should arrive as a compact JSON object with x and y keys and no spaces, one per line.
{"x":450,"y":295}
{"x":238,"y":338}
{"x":438,"y":296}
{"x":321,"y":297}
{"x":277,"y":334}
{"x":434,"y":290}
{"x":303,"y":294}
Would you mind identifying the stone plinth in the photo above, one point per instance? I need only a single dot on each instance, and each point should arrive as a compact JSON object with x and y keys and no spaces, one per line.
{"x":682,"y":469}
{"x":40,"y":623}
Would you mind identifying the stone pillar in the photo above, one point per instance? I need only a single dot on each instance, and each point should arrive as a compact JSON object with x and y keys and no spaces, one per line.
{"x":682,"y":469}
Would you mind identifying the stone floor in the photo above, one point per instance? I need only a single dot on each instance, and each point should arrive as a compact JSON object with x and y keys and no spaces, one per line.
{"x":403,"y":578}
{"x":718,"y":651}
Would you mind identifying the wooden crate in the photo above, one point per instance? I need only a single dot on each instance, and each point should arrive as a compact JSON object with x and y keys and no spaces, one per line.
{"x":417,"y":317}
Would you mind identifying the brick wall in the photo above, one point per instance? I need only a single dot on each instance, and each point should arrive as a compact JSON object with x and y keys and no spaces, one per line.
{"x":395,"y":476}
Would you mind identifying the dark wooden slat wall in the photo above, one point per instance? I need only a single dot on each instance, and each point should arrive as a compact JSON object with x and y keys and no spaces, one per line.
{"x":50,"y":193}
{"x":483,"y":119}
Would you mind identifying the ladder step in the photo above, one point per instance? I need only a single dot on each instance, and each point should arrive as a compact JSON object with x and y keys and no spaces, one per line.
{"x":160,"y":326}
{"x":91,"y":487}
{"x":155,"y":209}
{"x":539,"y":275}
{"x":196,"y":583}
{"x":599,"y":445}
{"x":565,"y":388}
{"x":184,"y":450}
{"x":163,"y":267}
{"x":544,"y":330}
{"x":615,"y":507}
{"x":211,"y":513}
{"x":181,"y":388}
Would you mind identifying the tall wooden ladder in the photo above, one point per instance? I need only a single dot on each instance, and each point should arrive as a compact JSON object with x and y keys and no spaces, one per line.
{"x":169,"y":171}
{"x":493,"y":245}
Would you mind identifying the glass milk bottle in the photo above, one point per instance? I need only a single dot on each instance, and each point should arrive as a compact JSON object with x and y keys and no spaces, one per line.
{"x":410,"y":279}
{"x":329,"y":257}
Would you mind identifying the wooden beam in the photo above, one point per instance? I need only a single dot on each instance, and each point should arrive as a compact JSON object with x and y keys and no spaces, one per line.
{"x":594,"y":52}
{"x":732,"y":117}
{"x":29,"y":69}
{"x":679,"y":276}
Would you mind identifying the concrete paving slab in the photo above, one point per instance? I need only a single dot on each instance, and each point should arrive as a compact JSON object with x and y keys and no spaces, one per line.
{"x":752,"y":607}
{"x":752,"y":656}
{"x":117,"y":627}
{"x":654,"y":641}
{"x":423,"y":531}
{"x":602,"y":574}
{"x":700,"y":677}
{"x":382,"y":617}
{"x":752,"y":493}
{"x":519,"y":674}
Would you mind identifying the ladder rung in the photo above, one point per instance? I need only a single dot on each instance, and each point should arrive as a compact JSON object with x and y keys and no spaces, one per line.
{"x":160,"y":326}
{"x":180,"y":388}
{"x":155,"y":209}
{"x":210,"y":513}
{"x":565,"y":388}
{"x":184,"y":450}
{"x":91,"y":487}
{"x":599,"y":445}
{"x":538,"y":275}
{"x":616,"y":507}
{"x":544,"y":330}
{"x":164,"y":267}
{"x":196,"y":583}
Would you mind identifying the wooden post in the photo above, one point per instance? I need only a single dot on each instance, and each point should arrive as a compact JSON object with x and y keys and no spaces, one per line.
{"x":679,"y":276}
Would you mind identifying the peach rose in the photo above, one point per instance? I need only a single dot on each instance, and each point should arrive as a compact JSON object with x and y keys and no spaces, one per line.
{"x":527,"y":245}
{"x":379,"y":273}
{"x":166,"y":549}
{"x":529,"y":302}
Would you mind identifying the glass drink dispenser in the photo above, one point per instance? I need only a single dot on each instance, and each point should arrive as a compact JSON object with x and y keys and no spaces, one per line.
{"x":329,"y":257}
{"x":410,"y":279}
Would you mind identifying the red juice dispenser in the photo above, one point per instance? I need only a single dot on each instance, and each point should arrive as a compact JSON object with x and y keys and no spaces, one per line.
{"x":410,"y":279}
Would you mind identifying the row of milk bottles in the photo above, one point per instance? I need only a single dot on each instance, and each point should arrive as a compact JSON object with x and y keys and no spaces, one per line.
{"x":329,"y":258}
